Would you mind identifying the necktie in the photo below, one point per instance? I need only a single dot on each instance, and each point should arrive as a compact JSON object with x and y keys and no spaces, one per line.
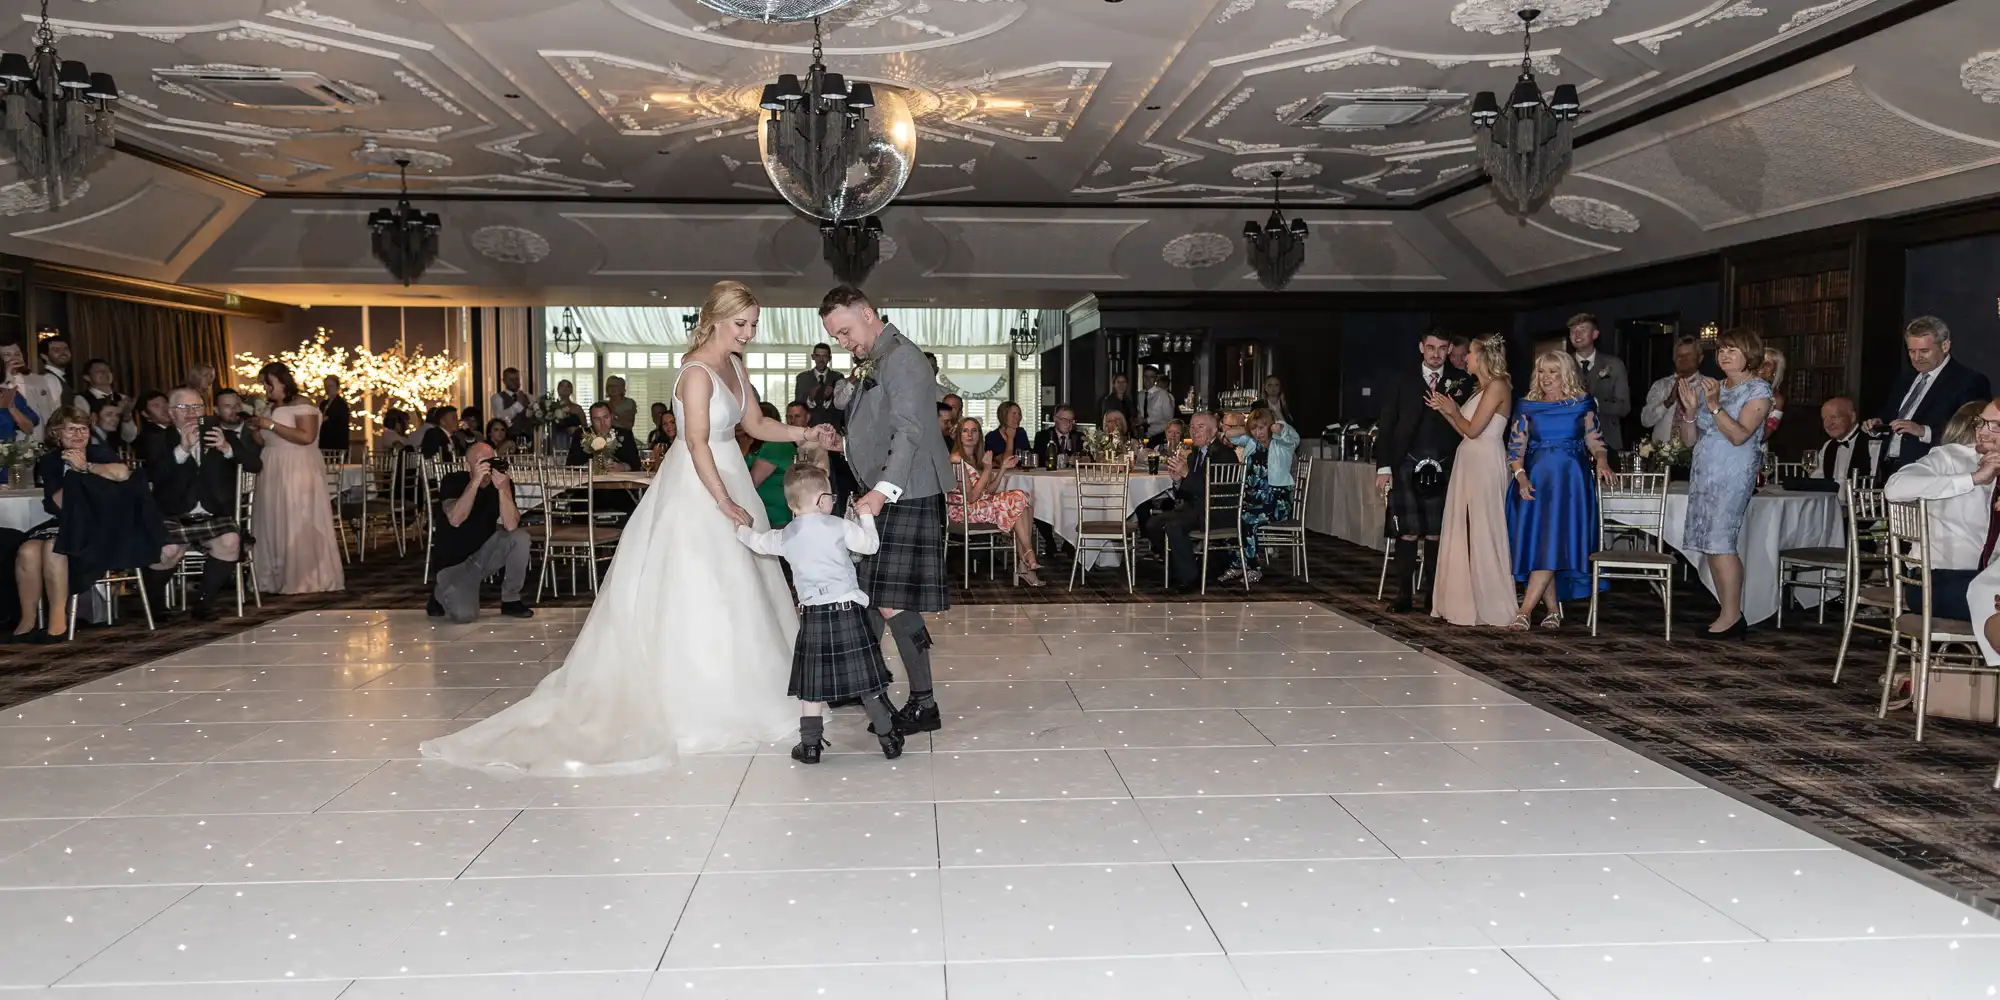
{"x":1430,"y":380}
{"x":1916,"y":396}
{"x":1992,"y":535}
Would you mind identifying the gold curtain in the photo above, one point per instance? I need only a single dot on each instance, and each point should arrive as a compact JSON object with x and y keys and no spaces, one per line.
{"x":149,"y":346}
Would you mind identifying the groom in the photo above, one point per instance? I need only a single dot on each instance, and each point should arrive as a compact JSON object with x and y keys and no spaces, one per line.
{"x":892,"y":442}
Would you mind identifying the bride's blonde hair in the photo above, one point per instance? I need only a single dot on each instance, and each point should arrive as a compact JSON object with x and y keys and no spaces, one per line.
{"x":725,"y":300}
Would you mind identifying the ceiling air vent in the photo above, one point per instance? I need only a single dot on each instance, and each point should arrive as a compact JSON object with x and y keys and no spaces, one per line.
{"x":1373,"y":110}
{"x":269,"y":89}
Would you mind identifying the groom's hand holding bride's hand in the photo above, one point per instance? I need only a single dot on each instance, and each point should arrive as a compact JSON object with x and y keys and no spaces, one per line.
{"x":871,"y":503}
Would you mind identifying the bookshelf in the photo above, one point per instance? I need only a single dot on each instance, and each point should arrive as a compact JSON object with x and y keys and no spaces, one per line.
{"x":1806,"y":316}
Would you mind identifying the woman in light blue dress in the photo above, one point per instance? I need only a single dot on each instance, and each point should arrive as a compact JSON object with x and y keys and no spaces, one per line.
{"x":1729,"y":429}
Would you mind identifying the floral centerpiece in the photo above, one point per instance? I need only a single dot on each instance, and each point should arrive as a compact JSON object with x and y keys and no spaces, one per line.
{"x":1673,"y":454}
{"x":599,"y":448}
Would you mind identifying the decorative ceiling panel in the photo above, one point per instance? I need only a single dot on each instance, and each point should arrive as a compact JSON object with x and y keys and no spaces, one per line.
{"x":1521,"y":246}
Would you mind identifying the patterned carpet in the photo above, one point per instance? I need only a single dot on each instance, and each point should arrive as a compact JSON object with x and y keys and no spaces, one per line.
{"x":1758,"y":717}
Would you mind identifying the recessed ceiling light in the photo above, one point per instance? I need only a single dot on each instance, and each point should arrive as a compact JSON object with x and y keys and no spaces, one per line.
{"x":662,"y":97}
{"x":664,"y":152}
{"x":1152,"y":107}
{"x":1034,"y":157}
{"x":511,"y":97}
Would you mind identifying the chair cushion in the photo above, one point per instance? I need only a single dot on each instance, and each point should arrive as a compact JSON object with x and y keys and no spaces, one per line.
{"x":1942,"y":629}
{"x":1622,"y":558}
{"x":1102,"y":528}
{"x":978,"y":528}
{"x":581,"y":534}
{"x":1876,"y":597}
{"x":1830,"y":558}
{"x":1217,"y":533}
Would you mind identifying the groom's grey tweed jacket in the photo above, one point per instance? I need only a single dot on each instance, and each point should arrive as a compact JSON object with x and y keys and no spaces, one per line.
{"x":892,"y":431}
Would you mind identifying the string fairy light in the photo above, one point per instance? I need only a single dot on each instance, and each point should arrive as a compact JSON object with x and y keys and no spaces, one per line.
{"x":395,"y":378}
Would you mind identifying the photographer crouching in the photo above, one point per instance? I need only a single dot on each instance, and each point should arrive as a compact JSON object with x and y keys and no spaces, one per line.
{"x":479,"y":534}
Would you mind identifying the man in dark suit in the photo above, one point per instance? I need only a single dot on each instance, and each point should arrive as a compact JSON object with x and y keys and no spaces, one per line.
{"x":1170,"y":531}
{"x":624,"y":450}
{"x":1604,"y":377}
{"x":1414,"y":447}
{"x":814,"y":387}
{"x":229,"y":416}
{"x":336,"y":420}
{"x":192,"y":469}
{"x":1061,"y":439}
{"x":1848,"y":451}
{"x":440,"y":441}
{"x":1924,"y":398}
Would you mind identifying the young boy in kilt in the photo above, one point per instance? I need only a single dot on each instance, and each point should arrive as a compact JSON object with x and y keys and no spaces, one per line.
{"x":838,"y":656}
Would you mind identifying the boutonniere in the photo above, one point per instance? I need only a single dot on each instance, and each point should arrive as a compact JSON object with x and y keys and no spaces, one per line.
{"x":1450,"y":385}
{"x":1604,"y":373}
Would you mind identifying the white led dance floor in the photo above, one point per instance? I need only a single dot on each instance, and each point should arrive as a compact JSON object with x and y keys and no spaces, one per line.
{"x":1206,"y":801}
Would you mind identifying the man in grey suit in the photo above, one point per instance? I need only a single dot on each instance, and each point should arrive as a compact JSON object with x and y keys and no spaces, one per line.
{"x":892,"y":443}
{"x":1604,"y":378}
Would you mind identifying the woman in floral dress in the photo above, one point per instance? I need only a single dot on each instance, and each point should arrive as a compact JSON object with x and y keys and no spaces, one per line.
{"x":1266,"y":446}
{"x":987,"y":503}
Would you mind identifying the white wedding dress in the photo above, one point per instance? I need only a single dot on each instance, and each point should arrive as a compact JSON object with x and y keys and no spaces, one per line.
{"x":688,"y":647}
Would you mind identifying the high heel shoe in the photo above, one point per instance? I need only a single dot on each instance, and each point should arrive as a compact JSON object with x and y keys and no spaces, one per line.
{"x":1553,"y":620}
{"x":1027,"y":576}
{"x":1739,"y":631}
{"x":1519,"y":624}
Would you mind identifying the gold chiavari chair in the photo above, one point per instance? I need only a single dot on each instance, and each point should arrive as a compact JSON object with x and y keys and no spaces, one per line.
{"x":1640,"y":499}
{"x":1103,"y":494}
{"x":1868,"y":533}
{"x":1932,"y":645}
{"x":570,"y":532}
{"x":1221,"y":520}
{"x":970,"y":537}
{"x":1289,"y":535}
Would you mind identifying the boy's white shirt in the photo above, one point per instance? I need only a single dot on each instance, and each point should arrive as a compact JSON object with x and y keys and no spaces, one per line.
{"x":819,"y":548}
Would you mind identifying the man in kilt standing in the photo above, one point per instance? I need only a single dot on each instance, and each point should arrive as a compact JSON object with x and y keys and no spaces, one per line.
{"x":892,"y":443}
{"x":1414,"y":446}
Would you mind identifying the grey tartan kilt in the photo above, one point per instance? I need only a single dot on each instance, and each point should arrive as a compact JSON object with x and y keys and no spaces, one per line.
{"x":907,"y":572}
{"x":193,"y":532}
{"x":838,"y":655}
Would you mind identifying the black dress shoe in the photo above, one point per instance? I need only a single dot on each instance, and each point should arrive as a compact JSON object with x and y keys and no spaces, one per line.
{"x":1738,"y":631}
{"x":203,"y":611}
{"x":516,"y":609}
{"x":433,"y":608}
{"x":892,"y":746}
{"x":911,"y":720}
{"x":808,"y":753}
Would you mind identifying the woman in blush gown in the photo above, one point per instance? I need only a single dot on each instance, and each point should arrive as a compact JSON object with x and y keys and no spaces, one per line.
{"x":1552,"y":513}
{"x":688,"y":648}
{"x":1474,"y":580}
{"x":295,"y":548}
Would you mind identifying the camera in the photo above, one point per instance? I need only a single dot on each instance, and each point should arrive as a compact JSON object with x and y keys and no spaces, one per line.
{"x":497,"y":465}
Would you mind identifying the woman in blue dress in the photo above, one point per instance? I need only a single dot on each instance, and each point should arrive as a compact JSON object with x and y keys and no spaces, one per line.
{"x":1552,"y":510}
{"x":1729,"y":428}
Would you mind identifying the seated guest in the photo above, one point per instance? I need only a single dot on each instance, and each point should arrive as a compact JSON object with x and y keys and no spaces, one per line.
{"x":154,"y":418}
{"x":982,"y":501}
{"x":440,"y":442}
{"x":624,"y":451}
{"x":1009,"y":439}
{"x":40,"y":570}
{"x":500,"y":437}
{"x":1173,"y":438}
{"x":947,"y":422}
{"x":1061,"y":439}
{"x":106,"y":422}
{"x":1169,"y":531}
{"x":1115,"y":423}
{"x":17,"y":417}
{"x":479,"y":535}
{"x":395,"y":432}
{"x":957,"y":405}
{"x":234,"y":422}
{"x":654,"y":415}
{"x":1957,"y":477}
{"x":1268,"y":444}
{"x":193,"y":475}
{"x":470,"y":429}
{"x":1848,"y":451}
{"x":666,"y":430}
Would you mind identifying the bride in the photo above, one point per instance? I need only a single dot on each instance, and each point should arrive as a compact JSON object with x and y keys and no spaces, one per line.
{"x":688,"y":646}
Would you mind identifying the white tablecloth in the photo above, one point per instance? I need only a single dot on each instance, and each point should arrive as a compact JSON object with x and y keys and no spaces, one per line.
{"x":21,"y":509}
{"x":1345,"y":503}
{"x":1054,"y":496}
{"x":1778,"y":519}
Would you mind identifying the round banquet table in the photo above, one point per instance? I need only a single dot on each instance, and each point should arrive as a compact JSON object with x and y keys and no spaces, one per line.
{"x":21,"y":509}
{"x":1053,"y":492}
{"x":1778,"y":519}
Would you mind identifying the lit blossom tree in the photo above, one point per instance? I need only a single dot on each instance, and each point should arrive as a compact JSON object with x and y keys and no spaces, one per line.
{"x":396,"y":378}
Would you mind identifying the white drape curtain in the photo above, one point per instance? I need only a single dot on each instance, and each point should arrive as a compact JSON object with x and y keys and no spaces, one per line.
{"x":661,"y":326}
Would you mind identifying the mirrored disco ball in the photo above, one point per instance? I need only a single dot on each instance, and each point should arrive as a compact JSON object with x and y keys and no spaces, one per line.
{"x":774,"y":11}
{"x":871,"y":183}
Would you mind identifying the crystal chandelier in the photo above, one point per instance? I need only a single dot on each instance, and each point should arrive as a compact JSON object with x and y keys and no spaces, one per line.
{"x":1026,"y":339}
{"x":1526,"y":147}
{"x":406,"y":240}
{"x":57,"y":116}
{"x":852,"y":248}
{"x":1276,"y":248}
{"x":567,"y":336}
{"x":774,"y":11}
{"x":817,"y":134}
